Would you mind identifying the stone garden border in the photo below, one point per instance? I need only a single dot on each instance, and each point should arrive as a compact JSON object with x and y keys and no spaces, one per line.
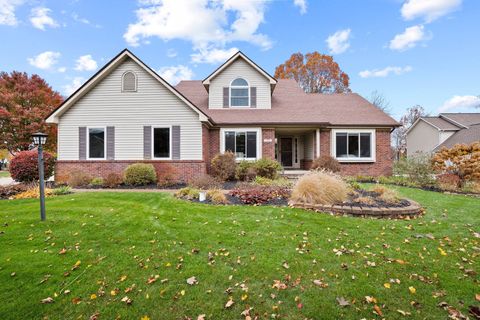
{"x":413,"y":210}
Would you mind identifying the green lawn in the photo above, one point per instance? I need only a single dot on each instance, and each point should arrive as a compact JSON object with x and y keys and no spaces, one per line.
{"x":4,"y":174}
{"x":119,"y":240}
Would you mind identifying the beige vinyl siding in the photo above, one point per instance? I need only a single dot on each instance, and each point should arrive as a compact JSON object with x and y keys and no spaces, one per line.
{"x":239,"y":69}
{"x":422,"y":138}
{"x":444,"y":135}
{"x":308,"y":146}
{"x":151,"y":105}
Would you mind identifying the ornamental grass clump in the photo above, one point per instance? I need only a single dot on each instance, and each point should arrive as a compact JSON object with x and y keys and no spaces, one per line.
{"x":320,"y":187}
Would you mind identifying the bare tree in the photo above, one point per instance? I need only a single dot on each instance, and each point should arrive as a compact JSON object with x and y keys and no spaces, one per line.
{"x":379,"y":101}
{"x":399,"y":136}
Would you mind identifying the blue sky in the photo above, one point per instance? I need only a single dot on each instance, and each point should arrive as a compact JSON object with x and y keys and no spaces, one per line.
{"x":422,"y":52}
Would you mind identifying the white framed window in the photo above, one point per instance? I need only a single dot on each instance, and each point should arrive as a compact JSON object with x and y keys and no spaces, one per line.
{"x":353,"y":145}
{"x":239,"y":93}
{"x":162,"y":142}
{"x":129,"y":82}
{"x":245,"y":143}
{"x":96,"y":143}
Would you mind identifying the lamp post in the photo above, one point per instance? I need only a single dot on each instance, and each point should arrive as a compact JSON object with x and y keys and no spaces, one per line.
{"x":39,"y":139}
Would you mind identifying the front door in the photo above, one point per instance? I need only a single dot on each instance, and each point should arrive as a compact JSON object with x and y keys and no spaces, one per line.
{"x":286,"y":152}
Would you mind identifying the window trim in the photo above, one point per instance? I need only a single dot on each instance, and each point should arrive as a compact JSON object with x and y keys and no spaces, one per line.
{"x":373,"y":145}
{"x":259,"y":141}
{"x":104,"y":142}
{"x":123,"y":78}
{"x":169,"y":127}
{"x":238,"y":87}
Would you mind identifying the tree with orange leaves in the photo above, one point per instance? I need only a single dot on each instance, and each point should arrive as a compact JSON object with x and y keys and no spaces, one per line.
{"x":315,"y":73}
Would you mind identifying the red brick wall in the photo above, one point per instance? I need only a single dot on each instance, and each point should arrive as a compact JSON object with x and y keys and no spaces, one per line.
{"x":384,"y":160}
{"x":213,"y":146}
{"x":185,"y":169}
{"x":268,"y":148}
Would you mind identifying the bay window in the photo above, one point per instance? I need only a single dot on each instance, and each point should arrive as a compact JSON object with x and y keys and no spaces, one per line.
{"x":351,"y":145}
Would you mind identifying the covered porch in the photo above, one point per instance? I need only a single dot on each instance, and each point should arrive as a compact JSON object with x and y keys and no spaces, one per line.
{"x":295,"y":148}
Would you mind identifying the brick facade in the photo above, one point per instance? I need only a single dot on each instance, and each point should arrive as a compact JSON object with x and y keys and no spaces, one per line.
{"x":185,"y":169}
{"x":383,"y":165}
{"x":268,"y":143}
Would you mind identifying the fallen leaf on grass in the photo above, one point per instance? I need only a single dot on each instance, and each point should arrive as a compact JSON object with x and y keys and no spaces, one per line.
{"x":152,"y":279}
{"x":378,"y":310}
{"x":387,"y":285}
{"x":76,"y":300}
{"x":277,"y":284}
{"x":93,"y":296}
{"x":412,"y":290}
{"x":122,"y":278}
{"x":95,"y":316}
{"x":192,"y":281}
{"x":201,"y":317}
{"x":47,"y":300}
{"x":474,"y":311}
{"x":63,"y":251}
{"x":285,"y":265}
{"x":145,"y":318}
{"x":127,"y":300}
{"x":442,"y":252}
{"x":342,"y":302}
{"x":370,"y":299}
{"x":320,"y":283}
{"x":477,"y":296}
{"x":403,"y":313}
{"x":229,"y":303}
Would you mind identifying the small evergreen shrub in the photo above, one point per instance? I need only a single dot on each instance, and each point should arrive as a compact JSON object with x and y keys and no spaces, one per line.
{"x":60,"y":191}
{"x":24,"y":166}
{"x":327,"y":163}
{"x":224,"y":166}
{"x":97,"y":182}
{"x":217,"y":196}
{"x":246,"y":170}
{"x":188,"y":193}
{"x":140,"y":174}
{"x":112,"y":180}
{"x":267,"y":168}
{"x":320,"y":187}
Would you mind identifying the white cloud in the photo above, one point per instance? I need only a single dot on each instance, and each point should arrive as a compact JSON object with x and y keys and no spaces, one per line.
{"x":39,"y":17}
{"x":7,"y":12}
{"x":62,"y":69}
{"x":207,"y":24}
{"x":70,"y":88}
{"x":409,"y":38}
{"x":429,"y":10}
{"x":302,"y":5}
{"x":460,"y":103}
{"x":172,"y":53}
{"x":213,"y":56}
{"x":174,"y":74}
{"x":86,"y":63}
{"x":381,"y":73}
{"x":45,"y":60}
{"x":338,"y":42}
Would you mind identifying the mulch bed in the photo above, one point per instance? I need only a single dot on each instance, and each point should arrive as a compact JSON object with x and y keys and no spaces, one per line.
{"x":279,"y":202}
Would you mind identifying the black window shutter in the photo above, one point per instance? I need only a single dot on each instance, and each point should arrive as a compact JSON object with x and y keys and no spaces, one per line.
{"x":176,"y":142}
{"x":82,"y":143}
{"x":110,"y":143}
{"x":147,"y":142}
{"x":253,"y":97}
{"x":226,"y":98}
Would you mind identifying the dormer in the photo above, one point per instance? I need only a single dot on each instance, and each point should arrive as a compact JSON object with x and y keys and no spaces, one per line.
{"x":238,"y":84}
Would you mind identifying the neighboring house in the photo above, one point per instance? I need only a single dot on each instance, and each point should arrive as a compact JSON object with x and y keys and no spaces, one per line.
{"x":126,"y":113}
{"x":430,"y":134}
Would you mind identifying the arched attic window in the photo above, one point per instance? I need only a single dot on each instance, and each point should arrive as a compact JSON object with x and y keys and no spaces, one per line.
{"x":239,"y":93}
{"x":129,"y":82}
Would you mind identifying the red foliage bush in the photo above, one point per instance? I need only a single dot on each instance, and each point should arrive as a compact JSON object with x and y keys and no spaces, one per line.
{"x":24,"y":166}
{"x":260,"y":194}
{"x":112,"y":180}
{"x":326,"y":162}
{"x":449,"y":181}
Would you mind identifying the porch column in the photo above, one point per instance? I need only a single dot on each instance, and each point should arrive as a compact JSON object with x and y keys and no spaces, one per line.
{"x":268,"y":143}
{"x":317,"y":143}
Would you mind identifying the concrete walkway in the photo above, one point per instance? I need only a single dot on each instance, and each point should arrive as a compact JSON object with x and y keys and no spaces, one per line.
{"x":125,"y":190}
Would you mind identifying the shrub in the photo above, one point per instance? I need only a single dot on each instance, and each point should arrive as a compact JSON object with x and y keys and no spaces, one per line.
{"x":326,"y":162}
{"x":246,"y":170}
{"x":97,"y":182}
{"x":7,"y":192}
{"x":140,"y":174}
{"x":364,"y":200}
{"x":471,"y":187}
{"x":449,"y":182}
{"x":60,"y":191}
{"x":385,"y":194}
{"x":279,"y":182}
{"x":24,"y":166}
{"x":217,"y":196}
{"x":112,"y":180}
{"x":365,"y":179}
{"x":167,"y":176}
{"x":33,"y":192}
{"x":78,"y":179}
{"x":224,"y":166}
{"x":418,"y":168}
{"x":320,"y":188}
{"x":260,"y":194}
{"x":205,"y":182}
{"x":267,"y":168}
{"x":462,"y":160}
{"x":187,"y":193}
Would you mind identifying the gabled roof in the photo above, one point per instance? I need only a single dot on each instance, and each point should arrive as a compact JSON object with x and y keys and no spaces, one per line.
{"x":292,"y":106}
{"x":106,"y":70}
{"x":464,"y":136}
{"x":239,"y":55}
{"x":440,"y":124}
{"x":462,"y":119}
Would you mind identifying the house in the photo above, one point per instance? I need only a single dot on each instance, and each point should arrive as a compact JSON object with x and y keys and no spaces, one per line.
{"x":430,"y":134}
{"x":126,"y":113}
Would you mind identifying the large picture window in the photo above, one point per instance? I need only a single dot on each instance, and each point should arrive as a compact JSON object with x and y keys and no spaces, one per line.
{"x":242,"y":143}
{"x":96,"y":143}
{"x":239,"y":93}
{"x":161,"y":143}
{"x":351,"y":145}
